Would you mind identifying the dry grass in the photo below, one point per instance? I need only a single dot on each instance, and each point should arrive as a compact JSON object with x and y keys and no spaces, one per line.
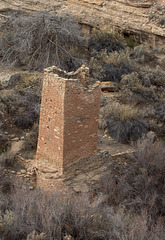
{"x":59,"y":216}
{"x":125,"y":124}
{"x":123,"y":112}
{"x":118,"y":111}
{"x":116,"y":58}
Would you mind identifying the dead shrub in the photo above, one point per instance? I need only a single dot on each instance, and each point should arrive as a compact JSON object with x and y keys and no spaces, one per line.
{"x":160,"y":112}
{"x":106,"y":39}
{"x":111,"y":66}
{"x":141,"y":55}
{"x":32,"y":137}
{"x":7,"y":160}
{"x":150,"y":155}
{"x":113,"y":188}
{"x":24,"y":108}
{"x":137,"y":90}
{"x":6,"y":186}
{"x":23,"y":121}
{"x":114,"y":73}
{"x":39,"y":41}
{"x":140,"y":188}
{"x":59,"y":215}
{"x":127,"y":130}
{"x":3,"y":138}
{"x":148,"y":182}
{"x":55,"y":214}
{"x":162,"y":21}
{"x":153,"y":76}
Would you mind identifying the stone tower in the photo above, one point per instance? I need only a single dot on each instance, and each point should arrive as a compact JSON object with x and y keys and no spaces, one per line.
{"x":69,"y":117}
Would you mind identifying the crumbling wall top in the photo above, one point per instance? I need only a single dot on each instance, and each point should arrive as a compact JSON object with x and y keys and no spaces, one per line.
{"x":83,"y":70}
{"x":80,"y":75}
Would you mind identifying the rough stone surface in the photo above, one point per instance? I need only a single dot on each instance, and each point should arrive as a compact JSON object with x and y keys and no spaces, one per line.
{"x":15,"y":139}
{"x":137,"y":18}
{"x":69,"y":117}
{"x":23,"y":171}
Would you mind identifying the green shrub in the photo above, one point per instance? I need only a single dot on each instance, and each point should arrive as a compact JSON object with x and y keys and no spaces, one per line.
{"x":138,"y":54}
{"x":130,"y":80}
{"x":131,"y":42}
{"x":127,"y":130}
{"x":22,"y":81}
{"x":15,"y":80}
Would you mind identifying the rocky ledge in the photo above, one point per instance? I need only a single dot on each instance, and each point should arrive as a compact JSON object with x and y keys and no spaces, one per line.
{"x":142,"y":19}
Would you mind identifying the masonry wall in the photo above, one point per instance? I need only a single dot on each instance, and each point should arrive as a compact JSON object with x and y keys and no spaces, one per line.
{"x":68,"y":119}
{"x":81,"y":116}
{"x":51,"y":127}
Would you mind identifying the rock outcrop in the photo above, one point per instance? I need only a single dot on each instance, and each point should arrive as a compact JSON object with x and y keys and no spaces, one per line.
{"x":133,"y":17}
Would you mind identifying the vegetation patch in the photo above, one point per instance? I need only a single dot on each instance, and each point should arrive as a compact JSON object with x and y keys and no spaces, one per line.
{"x":131,"y":42}
{"x":124,"y":124}
{"x":105,"y":39}
{"x":21,"y":99}
{"x":111,"y":66}
{"x":39,"y":41}
{"x":3,"y":138}
{"x":162,"y":21}
{"x":32,"y":137}
{"x":127,"y":204}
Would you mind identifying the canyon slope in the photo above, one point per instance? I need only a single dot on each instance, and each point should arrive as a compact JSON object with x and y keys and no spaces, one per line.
{"x":144,"y":20}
